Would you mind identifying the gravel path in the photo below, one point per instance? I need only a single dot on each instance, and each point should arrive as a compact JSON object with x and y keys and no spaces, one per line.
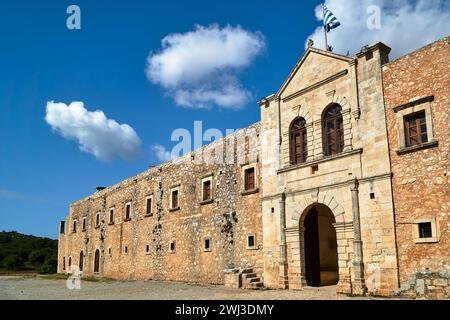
{"x":45,"y":288}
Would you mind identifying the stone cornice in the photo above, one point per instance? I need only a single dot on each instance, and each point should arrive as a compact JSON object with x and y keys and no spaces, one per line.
{"x":316,"y":85}
{"x":290,"y":193}
{"x":413,"y":103}
{"x":324,"y":159}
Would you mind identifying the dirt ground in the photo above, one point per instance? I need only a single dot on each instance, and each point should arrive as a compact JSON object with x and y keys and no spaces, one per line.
{"x":51,"y":288}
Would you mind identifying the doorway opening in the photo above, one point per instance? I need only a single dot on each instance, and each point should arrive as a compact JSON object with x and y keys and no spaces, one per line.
{"x":97,"y":261}
{"x":321,"y":258}
{"x":80,"y":264}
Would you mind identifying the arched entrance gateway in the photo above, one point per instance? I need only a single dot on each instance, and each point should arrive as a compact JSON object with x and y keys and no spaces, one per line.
{"x":320,"y":247}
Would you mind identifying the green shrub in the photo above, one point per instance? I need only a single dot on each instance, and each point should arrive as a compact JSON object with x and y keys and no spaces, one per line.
{"x":20,"y":252}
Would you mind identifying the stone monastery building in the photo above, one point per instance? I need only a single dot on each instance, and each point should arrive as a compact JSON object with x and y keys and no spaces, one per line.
{"x":343,"y":182}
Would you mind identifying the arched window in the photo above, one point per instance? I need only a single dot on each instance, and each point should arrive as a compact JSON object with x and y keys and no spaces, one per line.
{"x":97,"y":261}
{"x":81,"y":261}
{"x":64,"y":264}
{"x":298,"y":141}
{"x":333,"y":130}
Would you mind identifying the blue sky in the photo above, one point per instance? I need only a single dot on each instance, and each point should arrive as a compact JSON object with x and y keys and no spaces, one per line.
{"x":104,"y":66}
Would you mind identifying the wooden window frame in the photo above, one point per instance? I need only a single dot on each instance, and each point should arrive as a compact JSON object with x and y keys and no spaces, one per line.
{"x":419,"y":118}
{"x":421,"y":104}
{"x":147,"y":213}
{"x":174,"y":206}
{"x":127,"y":215}
{"x":298,"y":127}
{"x":331,"y":147}
{"x":249,"y":179}
{"x":207,"y":190}
{"x":205,"y":199}
{"x":111,"y":216}
{"x":245,"y":187}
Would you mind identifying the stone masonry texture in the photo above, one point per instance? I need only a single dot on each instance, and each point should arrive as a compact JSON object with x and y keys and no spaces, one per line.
{"x":226,"y":222}
{"x":420,"y":177}
{"x":370,"y":198}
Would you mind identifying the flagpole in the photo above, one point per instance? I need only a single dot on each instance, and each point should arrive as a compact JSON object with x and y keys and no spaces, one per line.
{"x":324,"y":27}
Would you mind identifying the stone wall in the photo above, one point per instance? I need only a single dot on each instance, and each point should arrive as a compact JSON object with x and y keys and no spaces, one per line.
{"x":377,"y":189}
{"x":320,"y":79}
{"x":226,"y":221}
{"x":415,"y":82}
{"x":426,"y":285}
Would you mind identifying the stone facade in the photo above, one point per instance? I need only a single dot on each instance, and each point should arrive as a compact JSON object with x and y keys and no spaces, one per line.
{"x":420,"y":82}
{"x":345,"y":214}
{"x":364,"y":227}
{"x":139,"y":247}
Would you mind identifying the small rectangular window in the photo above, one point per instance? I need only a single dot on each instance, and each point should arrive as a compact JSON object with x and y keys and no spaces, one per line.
{"x":62,"y":227}
{"x":109,"y":251}
{"x":416,"y":129}
{"x":147,"y":249}
{"x":74,"y":227}
{"x":249,"y":179}
{"x":84,"y":224}
{"x":207,"y":244}
{"x":175,"y":199}
{"x":206,"y":190}
{"x":128,"y":211}
{"x":425,"y":230}
{"x":149,"y":210}
{"x":172,"y":247}
{"x":125,"y":250}
{"x":111,"y":216}
{"x":97,"y":220}
{"x":251,"y":242}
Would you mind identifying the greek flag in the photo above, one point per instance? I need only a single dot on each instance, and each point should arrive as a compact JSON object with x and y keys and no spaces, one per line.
{"x":329,"y":20}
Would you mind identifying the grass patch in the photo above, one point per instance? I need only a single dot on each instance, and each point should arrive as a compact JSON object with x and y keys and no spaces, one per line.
{"x":4,"y":272}
{"x":97,"y":279}
{"x":56,"y":276}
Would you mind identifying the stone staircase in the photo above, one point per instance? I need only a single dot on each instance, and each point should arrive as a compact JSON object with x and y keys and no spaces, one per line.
{"x":250,"y":279}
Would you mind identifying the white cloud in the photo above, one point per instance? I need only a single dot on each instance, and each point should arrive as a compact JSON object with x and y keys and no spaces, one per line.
{"x":95,"y":133}
{"x":161,"y":153}
{"x":199,"y":68}
{"x":405,"y":25}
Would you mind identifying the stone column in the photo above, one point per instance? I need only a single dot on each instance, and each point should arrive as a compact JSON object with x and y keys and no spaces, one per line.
{"x":301,"y":240}
{"x":359,"y":286}
{"x":283,"y":277}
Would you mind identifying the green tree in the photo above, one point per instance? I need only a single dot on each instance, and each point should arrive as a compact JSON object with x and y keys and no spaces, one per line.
{"x":13,"y":262}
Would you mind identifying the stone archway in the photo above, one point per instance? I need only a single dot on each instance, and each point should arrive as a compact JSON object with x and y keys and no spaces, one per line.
{"x":320,"y":246}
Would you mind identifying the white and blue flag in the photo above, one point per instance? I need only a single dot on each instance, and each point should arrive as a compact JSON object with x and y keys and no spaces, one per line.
{"x":329,"y":20}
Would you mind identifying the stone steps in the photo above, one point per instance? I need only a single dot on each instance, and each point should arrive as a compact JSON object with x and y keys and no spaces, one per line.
{"x":250,"y":279}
